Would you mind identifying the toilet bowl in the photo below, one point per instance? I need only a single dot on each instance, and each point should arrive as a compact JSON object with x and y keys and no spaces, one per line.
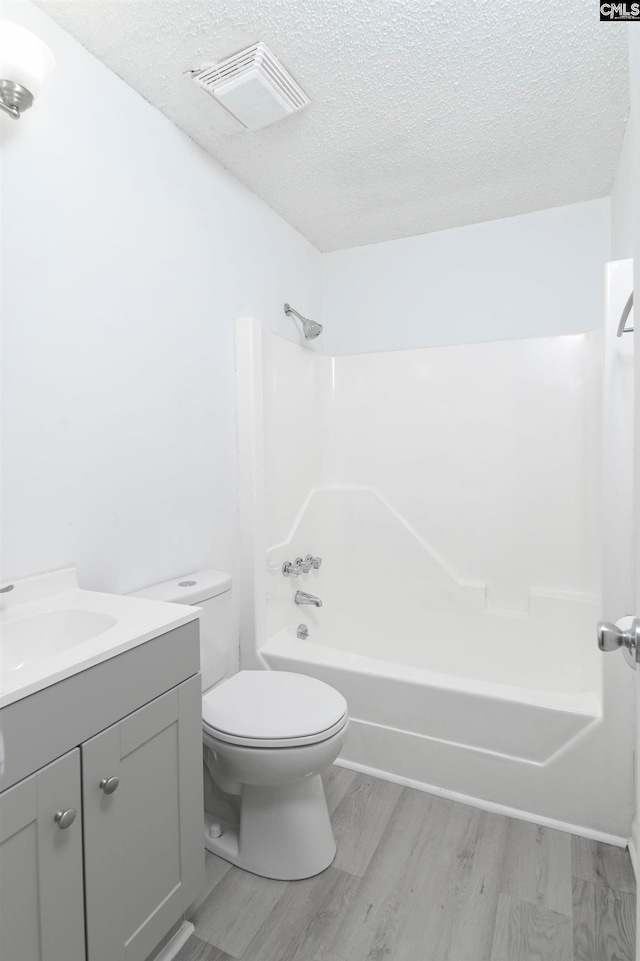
{"x":267,"y":737}
{"x":270,"y":735}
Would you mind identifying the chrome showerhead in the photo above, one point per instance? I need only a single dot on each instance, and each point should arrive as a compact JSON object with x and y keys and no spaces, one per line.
{"x":310,"y":328}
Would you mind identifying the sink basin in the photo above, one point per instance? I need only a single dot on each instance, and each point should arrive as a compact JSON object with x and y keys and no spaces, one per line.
{"x":34,"y":638}
{"x":51,"y":629}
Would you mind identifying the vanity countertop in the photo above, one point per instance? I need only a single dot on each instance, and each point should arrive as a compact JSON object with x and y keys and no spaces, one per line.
{"x":50,"y":629}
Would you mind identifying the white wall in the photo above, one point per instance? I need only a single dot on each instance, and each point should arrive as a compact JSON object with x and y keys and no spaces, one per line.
{"x":535,"y":275}
{"x":621,"y":206}
{"x":127,"y":253}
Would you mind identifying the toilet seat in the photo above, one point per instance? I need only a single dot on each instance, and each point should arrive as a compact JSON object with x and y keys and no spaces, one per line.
{"x":273,"y":709}
{"x":282,"y":742}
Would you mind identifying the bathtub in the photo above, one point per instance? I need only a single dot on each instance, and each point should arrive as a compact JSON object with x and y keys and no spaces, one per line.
{"x":460,"y":574}
{"x":516,"y":723}
{"x":503,"y":748}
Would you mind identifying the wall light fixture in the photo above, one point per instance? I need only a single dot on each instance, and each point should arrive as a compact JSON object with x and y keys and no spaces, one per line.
{"x":24,"y":63}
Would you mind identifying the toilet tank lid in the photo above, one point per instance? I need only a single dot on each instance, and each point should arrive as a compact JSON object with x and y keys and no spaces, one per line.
{"x":188,"y":589}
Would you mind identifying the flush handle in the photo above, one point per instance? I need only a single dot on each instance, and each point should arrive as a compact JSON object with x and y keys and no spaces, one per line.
{"x":109,"y":784}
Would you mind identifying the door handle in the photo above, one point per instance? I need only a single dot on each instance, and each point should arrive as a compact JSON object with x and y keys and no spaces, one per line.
{"x":613,"y":638}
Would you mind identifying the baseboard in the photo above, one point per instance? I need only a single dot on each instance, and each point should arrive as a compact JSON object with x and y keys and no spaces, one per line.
{"x":173,"y":945}
{"x":489,"y":805}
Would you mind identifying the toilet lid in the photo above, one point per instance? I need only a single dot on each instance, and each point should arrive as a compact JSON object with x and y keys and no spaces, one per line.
{"x":272,"y":705}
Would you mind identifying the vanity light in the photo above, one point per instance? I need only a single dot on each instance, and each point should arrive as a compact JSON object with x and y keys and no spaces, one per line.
{"x":24,"y":63}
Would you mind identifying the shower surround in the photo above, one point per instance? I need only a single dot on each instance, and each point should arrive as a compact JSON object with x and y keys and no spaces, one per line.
{"x":454,"y":495}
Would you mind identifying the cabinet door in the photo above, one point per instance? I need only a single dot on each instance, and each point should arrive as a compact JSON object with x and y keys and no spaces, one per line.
{"x":41,"y":895}
{"x":144,"y":841}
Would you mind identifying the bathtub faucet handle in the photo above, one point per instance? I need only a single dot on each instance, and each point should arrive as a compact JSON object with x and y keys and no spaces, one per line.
{"x":303,"y":565}
{"x":314,"y":562}
{"x":291,"y":569}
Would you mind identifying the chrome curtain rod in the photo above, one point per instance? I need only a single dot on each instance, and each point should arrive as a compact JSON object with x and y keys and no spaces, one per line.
{"x":622,"y":328}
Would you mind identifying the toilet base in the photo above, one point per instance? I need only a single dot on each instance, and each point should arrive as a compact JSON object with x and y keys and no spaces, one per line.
{"x":284,"y":831}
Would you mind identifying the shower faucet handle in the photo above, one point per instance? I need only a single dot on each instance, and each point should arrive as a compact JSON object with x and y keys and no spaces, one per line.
{"x":302,"y":565}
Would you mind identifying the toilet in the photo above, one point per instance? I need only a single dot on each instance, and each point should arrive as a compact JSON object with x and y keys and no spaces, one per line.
{"x":267,"y":737}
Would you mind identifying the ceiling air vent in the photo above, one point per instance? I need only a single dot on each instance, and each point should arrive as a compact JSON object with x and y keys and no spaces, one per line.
{"x":253,"y":87}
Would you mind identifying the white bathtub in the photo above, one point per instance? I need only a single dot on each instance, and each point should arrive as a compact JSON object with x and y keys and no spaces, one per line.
{"x":518,"y":723}
{"x":460,"y":575}
{"x":504,"y":748}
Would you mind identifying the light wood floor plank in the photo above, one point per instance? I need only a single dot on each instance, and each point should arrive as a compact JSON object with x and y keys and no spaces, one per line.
{"x":337,"y":781}
{"x":215,"y":869}
{"x":359,"y":821}
{"x":602,"y":864}
{"x":603,"y":923}
{"x":324,"y":922}
{"x":467,"y":890}
{"x":239,"y":904}
{"x":304,"y":918}
{"x":391,"y":889}
{"x":528,"y":932}
{"x":537,"y":866}
{"x":197,"y":950}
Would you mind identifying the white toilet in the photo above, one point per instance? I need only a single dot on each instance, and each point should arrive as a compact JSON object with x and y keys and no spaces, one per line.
{"x":267,"y":737}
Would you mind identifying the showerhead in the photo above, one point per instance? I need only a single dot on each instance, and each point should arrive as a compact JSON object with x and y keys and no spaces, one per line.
{"x":310,"y":328}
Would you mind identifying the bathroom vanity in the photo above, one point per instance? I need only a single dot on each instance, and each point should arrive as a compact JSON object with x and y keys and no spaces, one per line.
{"x":101,"y":848}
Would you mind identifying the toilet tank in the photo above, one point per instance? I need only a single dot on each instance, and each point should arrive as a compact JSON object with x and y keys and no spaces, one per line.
{"x":210,"y":591}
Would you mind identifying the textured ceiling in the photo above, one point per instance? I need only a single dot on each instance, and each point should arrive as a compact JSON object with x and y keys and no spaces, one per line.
{"x":424,"y":114}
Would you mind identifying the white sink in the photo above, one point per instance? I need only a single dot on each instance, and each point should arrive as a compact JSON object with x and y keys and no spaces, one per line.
{"x":50,"y":629}
{"x":43,"y":635}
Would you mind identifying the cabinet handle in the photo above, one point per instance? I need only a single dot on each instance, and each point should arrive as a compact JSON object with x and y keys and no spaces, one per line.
{"x":109,"y":784}
{"x":64,"y":819}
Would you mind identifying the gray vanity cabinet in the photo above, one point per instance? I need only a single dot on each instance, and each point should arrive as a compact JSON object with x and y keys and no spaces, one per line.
{"x":41,"y":895}
{"x":108,"y":882}
{"x":143,"y":860}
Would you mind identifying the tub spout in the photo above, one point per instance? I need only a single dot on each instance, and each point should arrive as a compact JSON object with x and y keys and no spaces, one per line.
{"x":303,"y":598}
